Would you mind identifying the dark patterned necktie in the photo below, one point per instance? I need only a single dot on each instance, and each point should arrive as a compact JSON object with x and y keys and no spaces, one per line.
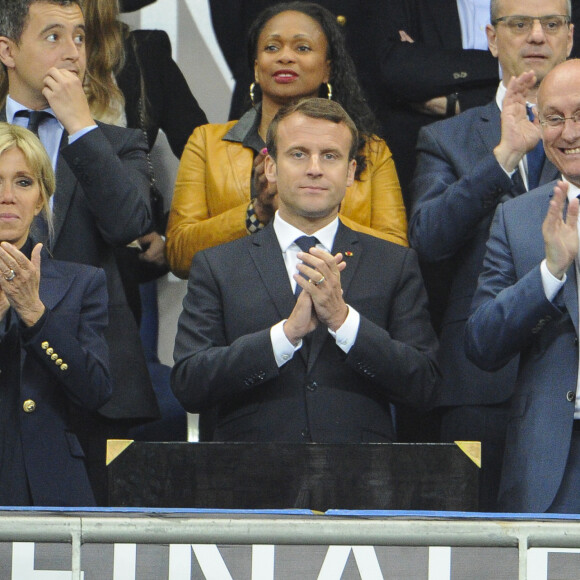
{"x":304,"y":243}
{"x":35,"y":118}
{"x":535,"y":159}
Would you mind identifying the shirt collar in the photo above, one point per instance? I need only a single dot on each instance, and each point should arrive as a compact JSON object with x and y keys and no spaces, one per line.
{"x":573,"y":190}
{"x":287,"y":233}
{"x":13,"y":107}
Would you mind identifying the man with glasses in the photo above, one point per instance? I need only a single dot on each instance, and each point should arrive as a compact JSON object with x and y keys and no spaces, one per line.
{"x":466,"y":166}
{"x":526,"y":304}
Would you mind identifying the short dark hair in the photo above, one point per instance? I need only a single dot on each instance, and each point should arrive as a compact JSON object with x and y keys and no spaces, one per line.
{"x":343,"y":78}
{"x":315,"y":108}
{"x":14,"y":15}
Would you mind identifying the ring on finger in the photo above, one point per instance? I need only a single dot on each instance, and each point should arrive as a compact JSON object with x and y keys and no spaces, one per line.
{"x":10,"y":275}
{"x":320,"y":281}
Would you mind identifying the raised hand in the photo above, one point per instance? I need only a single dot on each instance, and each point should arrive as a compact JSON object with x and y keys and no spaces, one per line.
{"x":63,"y":89}
{"x":266,"y":200}
{"x":518,"y":134}
{"x":560,"y":232}
{"x":19,"y":281}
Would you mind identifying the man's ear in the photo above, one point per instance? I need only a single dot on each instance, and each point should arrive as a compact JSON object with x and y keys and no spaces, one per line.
{"x":351,"y":172}
{"x":270,"y":169}
{"x":491,"y":39}
{"x":6,"y":51}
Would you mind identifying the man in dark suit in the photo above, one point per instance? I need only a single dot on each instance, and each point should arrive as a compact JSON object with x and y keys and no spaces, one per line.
{"x":324,"y":366}
{"x":424,"y":71}
{"x":466,"y":166}
{"x":526,"y":304}
{"x":101,"y":200}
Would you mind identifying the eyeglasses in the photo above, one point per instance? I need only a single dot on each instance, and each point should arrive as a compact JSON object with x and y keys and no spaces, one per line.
{"x":551,"y":24}
{"x":558,"y":120}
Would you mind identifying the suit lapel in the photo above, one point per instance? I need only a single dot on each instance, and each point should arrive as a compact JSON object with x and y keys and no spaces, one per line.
{"x":489,"y":126}
{"x":267,"y":256}
{"x":549,"y":172}
{"x":53,"y":288}
{"x":345,"y":242}
{"x":66,"y":182}
{"x":570,"y":295}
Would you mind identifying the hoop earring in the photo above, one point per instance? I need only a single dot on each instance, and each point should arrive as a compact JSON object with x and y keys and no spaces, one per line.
{"x":252,"y":87}
{"x":329,"y":91}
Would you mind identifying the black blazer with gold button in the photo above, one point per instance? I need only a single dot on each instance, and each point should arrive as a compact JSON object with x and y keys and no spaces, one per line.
{"x":64,"y":365}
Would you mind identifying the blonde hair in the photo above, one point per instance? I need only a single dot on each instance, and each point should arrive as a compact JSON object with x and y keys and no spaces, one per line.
{"x":15,"y":137}
{"x":105,"y":59}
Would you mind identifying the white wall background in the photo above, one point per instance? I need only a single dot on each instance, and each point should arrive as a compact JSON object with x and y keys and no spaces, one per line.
{"x":197,"y":53}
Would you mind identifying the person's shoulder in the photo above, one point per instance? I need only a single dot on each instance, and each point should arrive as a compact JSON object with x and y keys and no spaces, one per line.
{"x":463,"y":122}
{"x":538,"y":197}
{"x":69,"y":270}
{"x":227,"y":252}
{"x":151,"y":41}
{"x":376,"y":246}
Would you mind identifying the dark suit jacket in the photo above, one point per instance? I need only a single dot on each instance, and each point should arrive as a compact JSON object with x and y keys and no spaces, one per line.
{"x":170,"y":103}
{"x":434,"y":65}
{"x":459,"y":183}
{"x":101,"y":201}
{"x":224,"y":358}
{"x":512,"y":316}
{"x":76,"y":300}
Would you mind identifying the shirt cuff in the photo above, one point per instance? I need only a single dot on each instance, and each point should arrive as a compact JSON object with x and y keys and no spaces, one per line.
{"x":346,"y":334}
{"x":72,"y":138}
{"x":550,"y":283}
{"x":283,"y":349}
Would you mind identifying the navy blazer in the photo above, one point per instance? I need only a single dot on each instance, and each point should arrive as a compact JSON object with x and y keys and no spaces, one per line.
{"x":513,"y":316}
{"x":75,"y":297}
{"x":102,"y":202}
{"x":458,"y":184}
{"x":224,"y":357}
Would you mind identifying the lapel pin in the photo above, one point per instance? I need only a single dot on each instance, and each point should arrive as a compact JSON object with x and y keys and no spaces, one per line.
{"x":348,"y":254}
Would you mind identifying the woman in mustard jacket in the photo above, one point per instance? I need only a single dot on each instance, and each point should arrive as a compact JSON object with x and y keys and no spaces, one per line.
{"x":221,"y":193}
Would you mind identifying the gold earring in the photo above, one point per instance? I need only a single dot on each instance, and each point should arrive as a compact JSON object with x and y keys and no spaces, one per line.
{"x":252,"y":87}
{"x":329,"y":91}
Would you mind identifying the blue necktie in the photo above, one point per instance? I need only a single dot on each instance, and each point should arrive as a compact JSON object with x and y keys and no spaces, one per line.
{"x":304,"y":243}
{"x":35,"y":118}
{"x":535,"y":159}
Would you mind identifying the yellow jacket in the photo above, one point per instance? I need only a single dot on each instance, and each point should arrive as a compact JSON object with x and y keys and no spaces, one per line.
{"x":212,"y":193}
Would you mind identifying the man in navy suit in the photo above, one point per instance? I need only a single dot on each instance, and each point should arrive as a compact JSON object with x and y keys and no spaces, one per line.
{"x":526,"y":304}
{"x":466,"y":166}
{"x":326,"y":365}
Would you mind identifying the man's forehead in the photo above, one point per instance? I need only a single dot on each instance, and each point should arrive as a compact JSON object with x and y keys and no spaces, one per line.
{"x":531,"y":7}
{"x":561,"y":85}
{"x":44,"y":12}
{"x":312,"y":130}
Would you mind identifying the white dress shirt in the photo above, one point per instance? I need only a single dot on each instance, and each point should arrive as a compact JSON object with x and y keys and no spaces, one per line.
{"x":346,"y":335}
{"x":473,"y":17}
